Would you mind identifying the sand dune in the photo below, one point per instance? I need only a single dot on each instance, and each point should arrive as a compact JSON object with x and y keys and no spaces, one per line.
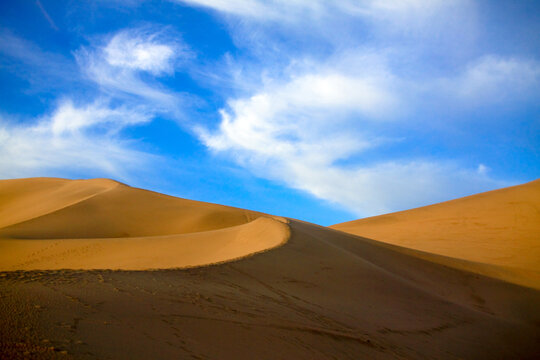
{"x":25,"y":199}
{"x":103,"y":224}
{"x":323,"y":294}
{"x":496,"y":233}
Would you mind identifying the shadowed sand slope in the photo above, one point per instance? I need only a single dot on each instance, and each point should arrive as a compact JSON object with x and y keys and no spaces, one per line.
{"x":322,"y":295}
{"x":496,"y":233}
{"x":102,"y":224}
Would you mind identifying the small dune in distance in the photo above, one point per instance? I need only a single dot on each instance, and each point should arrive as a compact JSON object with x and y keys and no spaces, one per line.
{"x":496,"y":233}
{"x":94,"y":269}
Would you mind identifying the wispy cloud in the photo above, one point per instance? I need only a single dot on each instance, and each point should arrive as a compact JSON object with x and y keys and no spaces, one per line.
{"x":42,"y":69}
{"x":279,"y":10}
{"x":71,"y":139}
{"x":495,"y":78}
{"x":69,"y":119}
{"x":87,"y":135}
{"x":118,"y":66}
{"x":295,"y":117}
{"x":144,"y":52}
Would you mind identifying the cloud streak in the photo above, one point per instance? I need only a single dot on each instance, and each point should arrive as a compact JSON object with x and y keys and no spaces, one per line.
{"x":46,"y":15}
{"x":495,"y":78}
{"x":292,"y":10}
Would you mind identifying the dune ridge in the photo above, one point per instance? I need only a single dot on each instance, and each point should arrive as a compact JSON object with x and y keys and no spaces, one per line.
{"x":496,"y":233}
{"x":103,"y":224}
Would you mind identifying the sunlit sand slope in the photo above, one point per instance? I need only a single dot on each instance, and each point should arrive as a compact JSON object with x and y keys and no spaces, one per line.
{"x":102,"y":224}
{"x":496,"y":233}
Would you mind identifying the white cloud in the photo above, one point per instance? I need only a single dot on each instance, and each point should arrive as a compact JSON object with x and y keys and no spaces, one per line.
{"x":341,"y":22}
{"x":293,"y":118}
{"x":69,"y":119}
{"x":297,"y":133}
{"x":252,"y":8}
{"x":284,"y":10}
{"x":140,"y":53}
{"x":494,"y":78}
{"x":118,"y":66}
{"x":71,"y":139}
{"x":337,"y":91}
{"x":385,"y":186}
{"x":419,"y":9}
{"x":308,"y":160}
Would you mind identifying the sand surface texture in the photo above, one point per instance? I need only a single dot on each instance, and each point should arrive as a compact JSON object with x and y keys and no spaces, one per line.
{"x":496,"y":233}
{"x":102,"y":224}
{"x":323,"y":294}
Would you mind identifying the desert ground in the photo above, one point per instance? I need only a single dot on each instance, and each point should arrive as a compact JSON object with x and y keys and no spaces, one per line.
{"x":95,"y":269}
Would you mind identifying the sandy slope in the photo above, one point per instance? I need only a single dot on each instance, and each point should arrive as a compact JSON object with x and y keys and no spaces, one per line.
{"x":324,"y":294}
{"x":102,"y":224}
{"x":496,"y":233}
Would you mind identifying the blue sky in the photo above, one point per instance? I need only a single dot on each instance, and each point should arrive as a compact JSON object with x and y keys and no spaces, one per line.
{"x":324,"y":111}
